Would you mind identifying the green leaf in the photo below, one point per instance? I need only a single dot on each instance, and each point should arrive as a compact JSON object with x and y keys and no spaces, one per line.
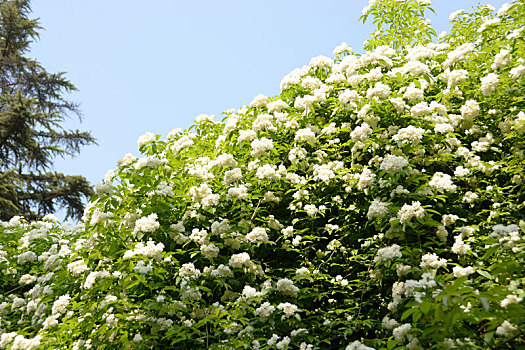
{"x":485,"y":274}
{"x":391,"y":343}
{"x":485,"y":302}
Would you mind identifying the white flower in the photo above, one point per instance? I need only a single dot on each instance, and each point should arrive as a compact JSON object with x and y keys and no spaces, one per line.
{"x":455,"y":77}
{"x":264,"y":311}
{"x":510,"y":299}
{"x":232,"y":176}
{"x":239,"y":192}
{"x":379,"y":90}
{"x":305,"y":134}
{"x":400,"y":332}
{"x":470,"y":110}
{"x":459,"y":247}
{"x":357,"y":345}
{"x":377,"y":209}
{"x":259,"y":101}
{"x":283,"y":343}
{"x":506,"y":329}
{"x":50,"y":217}
{"x":276,"y":106}
{"x":413,"y":94}
{"x":398,"y":104}
{"x":393,"y":164}
{"x":147,"y":224}
{"x":502,"y":59}
{"x":321,"y":62}
{"x":454,"y":14}
{"x":263,"y":122}
{"x":489,"y":83}
{"x":310,"y":209}
{"x":240,"y":260}
{"x":203,"y":195}
{"x":60,"y":305}
{"x":461,"y":171}
{"x":409,"y":211}
{"x":189,"y":270}
{"x":288,"y":308}
{"x":258,"y":234}
{"x":50,"y":321}
{"x":488,"y":23}
{"x":27,"y":279}
{"x":366,"y":178}
{"x":146,"y":138}
{"x":442,"y":181}
{"x":225,"y":159}
{"x":420,"y":109}
{"x":361,"y":133}
{"x":150,"y":250}
{"x":268,"y":172}
{"x":142,"y":268}
{"x":470,"y":197}
{"x":210,"y":250}
{"x":388,"y":253}
{"x":287,"y":232}
{"x":415,"y":68}
{"x":410,"y":133}
{"x":250,"y":292}
{"x":343,"y":47}
{"x":432,"y":260}
{"x":137,"y":338}
{"x":286,"y":287}
{"x":389,"y":323}
{"x":203,"y":118}
{"x":348,"y":96}
{"x":517,"y":72}
{"x":246,"y":135}
{"x":443,"y":128}
{"x":457,"y":54}
{"x":26,"y":257}
{"x":77,"y":267}
{"x":261,"y":146}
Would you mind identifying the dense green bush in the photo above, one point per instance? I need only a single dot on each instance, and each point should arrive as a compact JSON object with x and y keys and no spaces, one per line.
{"x":377,"y":202}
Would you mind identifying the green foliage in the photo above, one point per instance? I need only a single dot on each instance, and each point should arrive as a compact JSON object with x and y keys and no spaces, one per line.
{"x":32,"y":108}
{"x":377,"y":202}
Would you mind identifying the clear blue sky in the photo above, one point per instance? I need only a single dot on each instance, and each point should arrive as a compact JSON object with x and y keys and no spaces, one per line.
{"x":152,"y":66}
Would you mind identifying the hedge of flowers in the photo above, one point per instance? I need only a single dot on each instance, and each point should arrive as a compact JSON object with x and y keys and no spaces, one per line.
{"x":376,"y":203}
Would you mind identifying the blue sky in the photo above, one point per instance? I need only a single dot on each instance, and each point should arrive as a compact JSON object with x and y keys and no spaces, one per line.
{"x":155,"y":65}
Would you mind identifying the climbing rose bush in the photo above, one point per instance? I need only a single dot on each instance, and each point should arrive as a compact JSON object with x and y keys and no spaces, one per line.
{"x":376,"y":203}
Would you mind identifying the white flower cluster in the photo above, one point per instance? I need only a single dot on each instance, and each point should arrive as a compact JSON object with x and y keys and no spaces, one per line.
{"x":489,"y":83}
{"x":432,"y":260}
{"x":409,"y":211}
{"x":261,"y":146}
{"x":288,"y":308}
{"x":393,"y":164}
{"x":388,"y":253}
{"x":240,"y":260}
{"x":257,"y":235}
{"x":150,"y":250}
{"x":204,"y":196}
{"x":77,"y":267}
{"x":147,"y":224}
{"x":410,"y":133}
{"x":377,"y":209}
{"x":286,"y":287}
{"x":145,"y":139}
{"x":305,"y":134}
{"x":442,"y":181}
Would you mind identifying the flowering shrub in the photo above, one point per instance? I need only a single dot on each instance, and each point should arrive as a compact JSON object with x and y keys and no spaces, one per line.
{"x":376,"y":203}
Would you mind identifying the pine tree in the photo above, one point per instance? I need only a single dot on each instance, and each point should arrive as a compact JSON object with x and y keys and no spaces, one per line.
{"x":32,"y":108}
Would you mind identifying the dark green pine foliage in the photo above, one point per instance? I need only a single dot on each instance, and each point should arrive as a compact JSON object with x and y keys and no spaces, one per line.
{"x":32,"y":109}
